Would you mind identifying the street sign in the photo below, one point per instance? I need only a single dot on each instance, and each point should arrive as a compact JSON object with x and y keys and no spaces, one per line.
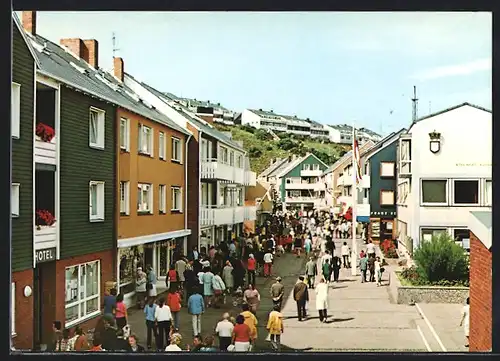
{"x":45,"y":255}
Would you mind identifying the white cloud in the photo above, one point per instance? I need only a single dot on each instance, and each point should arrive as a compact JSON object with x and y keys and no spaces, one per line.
{"x":454,"y":70}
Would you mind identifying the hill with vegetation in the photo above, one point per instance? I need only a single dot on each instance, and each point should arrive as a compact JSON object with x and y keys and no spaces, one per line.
{"x":262,"y":147}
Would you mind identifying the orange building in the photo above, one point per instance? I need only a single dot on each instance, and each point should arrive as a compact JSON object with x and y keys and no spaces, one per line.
{"x":151,"y":190}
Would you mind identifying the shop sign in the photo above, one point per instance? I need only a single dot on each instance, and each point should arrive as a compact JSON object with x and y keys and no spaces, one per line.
{"x":45,"y":255}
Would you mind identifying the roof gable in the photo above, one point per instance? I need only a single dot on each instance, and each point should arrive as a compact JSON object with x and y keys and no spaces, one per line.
{"x":480,"y":223}
{"x":384,"y":143}
{"x":19,"y":26}
{"x":297,"y":163}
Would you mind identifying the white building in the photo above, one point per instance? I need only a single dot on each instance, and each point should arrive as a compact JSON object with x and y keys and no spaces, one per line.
{"x":224,"y":169}
{"x":444,"y":173}
{"x":342,"y":133}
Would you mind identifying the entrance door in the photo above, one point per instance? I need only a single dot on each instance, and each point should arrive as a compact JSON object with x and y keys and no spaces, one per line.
{"x":148,"y":256}
{"x":44,"y":297}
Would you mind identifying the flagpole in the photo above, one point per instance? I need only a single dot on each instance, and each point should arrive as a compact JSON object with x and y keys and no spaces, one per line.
{"x":354,"y":247}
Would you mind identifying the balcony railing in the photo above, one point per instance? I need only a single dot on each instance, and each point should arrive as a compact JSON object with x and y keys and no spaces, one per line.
{"x":215,"y":169}
{"x":250,"y":178}
{"x":45,"y":237}
{"x":222,"y":215}
{"x":298,"y":186}
{"x":45,"y":152}
{"x":311,"y":173}
{"x":300,"y":199}
{"x":238,"y":215}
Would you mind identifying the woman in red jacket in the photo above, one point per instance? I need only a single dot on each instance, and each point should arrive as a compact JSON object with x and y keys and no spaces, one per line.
{"x":251,"y":265}
{"x":174,"y":301}
{"x":173,"y":278}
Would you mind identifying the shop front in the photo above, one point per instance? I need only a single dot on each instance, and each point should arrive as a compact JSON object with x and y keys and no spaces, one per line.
{"x":159,"y":254}
{"x":381,"y":227}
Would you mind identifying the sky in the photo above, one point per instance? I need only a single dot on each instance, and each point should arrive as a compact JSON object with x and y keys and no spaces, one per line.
{"x":331,"y":67}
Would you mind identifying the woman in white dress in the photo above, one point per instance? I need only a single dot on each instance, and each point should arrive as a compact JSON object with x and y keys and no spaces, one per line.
{"x":151,"y":284}
{"x":465,"y":321}
{"x":322,"y":300}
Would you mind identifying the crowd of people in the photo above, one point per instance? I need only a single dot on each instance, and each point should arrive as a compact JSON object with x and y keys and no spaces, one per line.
{"x":207,"y":278}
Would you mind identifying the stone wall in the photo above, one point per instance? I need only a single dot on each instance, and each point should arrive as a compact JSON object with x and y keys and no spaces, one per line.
{"x":425,"y":294}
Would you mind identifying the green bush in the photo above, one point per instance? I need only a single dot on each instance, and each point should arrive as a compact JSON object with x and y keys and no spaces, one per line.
{"x":248,"y":128}
{"x":441,"y":259}
{"x":287,"y":144}
{"x":254,"y":152}
{"x":262,"y":135}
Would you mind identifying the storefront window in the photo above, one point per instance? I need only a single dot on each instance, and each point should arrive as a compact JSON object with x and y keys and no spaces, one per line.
{"x":130,"y":259}
{"x":163,"y":260}
{"x":82,"y":292}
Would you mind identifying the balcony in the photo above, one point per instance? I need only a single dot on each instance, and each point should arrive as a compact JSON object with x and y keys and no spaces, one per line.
{"x":216,"y":216}
{"x":250,"y":213}
{"x":300,"y":199}
{"x":300,"y":186}
{"x":311,"y":173}
{"x":345,"y":180}
{"x":213,"y":169}
{"x":239,"y":175}
{"x":45,"y":152}
{"x":238,"y":215}
{"x":250,"y":179}
{"x":365,"y":181}
{"x":45,"y":237}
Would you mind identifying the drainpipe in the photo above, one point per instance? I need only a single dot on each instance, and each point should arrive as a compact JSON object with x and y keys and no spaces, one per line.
{"x":200,"y":133}
{"x":186,"y":186}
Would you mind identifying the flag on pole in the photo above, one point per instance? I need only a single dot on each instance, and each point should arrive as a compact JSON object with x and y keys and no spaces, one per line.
{"x":357,"y":159}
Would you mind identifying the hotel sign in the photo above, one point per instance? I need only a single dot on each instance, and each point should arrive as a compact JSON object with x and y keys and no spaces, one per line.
{"x":45,"y":255}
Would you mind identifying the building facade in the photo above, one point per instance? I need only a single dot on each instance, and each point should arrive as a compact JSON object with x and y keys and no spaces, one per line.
{"x":440,"y":180}
{"x":342,"y":133}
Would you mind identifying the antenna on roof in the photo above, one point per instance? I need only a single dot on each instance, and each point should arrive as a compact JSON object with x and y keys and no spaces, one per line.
{"x":415,"y":104}
{"x":115,"y":49}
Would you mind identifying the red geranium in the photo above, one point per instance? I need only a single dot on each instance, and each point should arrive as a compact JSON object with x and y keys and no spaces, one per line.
{"x":45,"y":132}
{"x":389,"y":249}
{"x":44,"y":218}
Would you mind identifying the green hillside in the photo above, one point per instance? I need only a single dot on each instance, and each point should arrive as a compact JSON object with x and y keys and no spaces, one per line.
{"x":262,"y":148}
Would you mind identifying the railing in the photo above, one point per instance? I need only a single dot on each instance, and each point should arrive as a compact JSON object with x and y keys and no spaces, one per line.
{"x":300,"y":199}
{"x":45,"y":237}
{"x":301,"y":185}
{"x":311,"y":173}
{"x":214,"y":169}
{"x":239,"y":175}
{"x":239,"y":215}
{"x":45,"y":152}
{"x":218,"y":216}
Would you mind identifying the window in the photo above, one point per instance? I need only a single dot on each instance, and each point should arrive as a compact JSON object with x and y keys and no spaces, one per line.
{"x":176,"y":150}
{"x":12,"y":308}
{"x":428,"y":233}
{"x":403,"y":191}
{"x":387,"y":169}
{"x":306,"y":167}
{"x":145,"y":140}
{"x":125,"y":198}
{"x":144,"y":198}
{"x":96,"y":128}
{"x":488,"y":195}
{"x":176,"y":199}
{"x":96,"y":202}
{"x":83,"y":297}
{"x":14,"y":199}
{"x":315,"y":167}
{"x":386,"y":198}
{"x":124,"y":134}
{"x":231,"y":158}
{"x":223,"y":152}
{"x":15,"y":110}
{"x":239,"y":162}
{"x":239,"y":197}
{"x":434,"y":192}
{"x":462,"y":237}
{"x":162,"y":146}
{"x":162,"y":204}
{"x":466,"y":192}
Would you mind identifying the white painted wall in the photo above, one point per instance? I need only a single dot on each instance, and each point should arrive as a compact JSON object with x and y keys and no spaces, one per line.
{"x":466,"y":146}
{"x":250,"y":118}
{"x":334,"y":134}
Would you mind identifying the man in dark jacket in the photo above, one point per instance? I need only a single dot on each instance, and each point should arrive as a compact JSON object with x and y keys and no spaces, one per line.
{"x":190,"y":280}
{"x":335,"y":265}
{"x":301,"y":296}
{"x":371,"y":267}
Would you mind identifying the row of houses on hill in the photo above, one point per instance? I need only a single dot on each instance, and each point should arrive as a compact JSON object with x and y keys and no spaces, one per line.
{"x":108,"y":174}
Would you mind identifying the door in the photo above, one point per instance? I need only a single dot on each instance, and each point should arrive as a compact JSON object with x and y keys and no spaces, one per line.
{"x":44,"y":301}
{"x":148,"y":256}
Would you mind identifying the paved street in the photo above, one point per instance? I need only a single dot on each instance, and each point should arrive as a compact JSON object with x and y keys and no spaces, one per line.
{"x":361,"y":317}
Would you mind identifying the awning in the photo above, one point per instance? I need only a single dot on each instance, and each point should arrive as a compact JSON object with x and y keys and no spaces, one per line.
{"x":363,"y":219}
{"x":136,"y":241}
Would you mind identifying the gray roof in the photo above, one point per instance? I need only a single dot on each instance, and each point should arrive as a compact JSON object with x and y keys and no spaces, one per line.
{"x":201,"y":103}
{"x":67,"y":68}
{"x":273,"y":167}
{"x":338,"y":162}
{"x":17,"y":22}
{"x":280,"y":168}
{"x":185,"y":112}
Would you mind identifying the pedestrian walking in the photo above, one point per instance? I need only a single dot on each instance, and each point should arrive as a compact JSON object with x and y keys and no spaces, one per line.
{"x":335,"y":266}
{"x":363,"y":266}
{"x":172,"y":278}
{"x":326,"y":269}
{"x":311,"y":272}
{"x":308,"y":246}
{"x":174,"y":301}
{"x":163,"y":318}
{"x":110,"y":303}
{"x":322,"y":300}
{"x":370,"y":248}
{"x":196,"y":307}
{"x":465,"y":320}
{"x":275,"y":328}
{"x":371,"y":266}
{"x":241,"y":335}
{"x":208,"y":291}
{"x":140,"y":288}
{"x":378,"y":271}
{"x":345,"y":255}
{"x":219,"y":288}
{"x":301,"y":296}
{"x":251,"y":321}
{"x":277,"y":293}
{"x":252,"y":297}
{"x":180,"y":267}
{"x":121,"y":312}
{"x":227,"y":276}
{"x":150,"y":312}
{"x":151,"y":284}
{"x":268,"y":263}
{"x":224,"y":331}
{"x":251,"y":266}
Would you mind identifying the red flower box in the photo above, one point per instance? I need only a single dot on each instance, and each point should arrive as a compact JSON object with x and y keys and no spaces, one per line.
{"x":44,"y":218}
{"x":45,"y":132}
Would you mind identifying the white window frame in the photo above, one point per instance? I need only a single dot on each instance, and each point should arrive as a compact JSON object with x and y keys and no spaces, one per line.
{"x":382,"y":191}
{"x":315,"y":167}
{"x":176,"y":190}
{"x":83,"y":301}
{"x":100,"y":189}
{"x":15,"y":110}
{"x":488,"y":202}
{"x":162,"y":204}
{"x":392,"y":166}
{"x":15,"y":191}
{"x":466,"y":204}
{"x":140,"y":201}
{"x":239,"y":162}
{"x":306,"y":167}
{"x":13,"y":309}
{"x":432,"y":228}
{"x":451,"y":232}
{"x":143,"y":130}
{"x":124,"y":198}
{"x":125,"y":137}
{"x":403,"y":192}
{"x":176,"y":150}
{"x":231,"y":158}
{"x":100,"y":127}
{"x":224,"y":155}
{"x":162,"y":146}
{"x":427,"y":204}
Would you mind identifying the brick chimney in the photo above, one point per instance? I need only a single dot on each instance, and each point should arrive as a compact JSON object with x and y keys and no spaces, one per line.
{"x":75,"y":45}
{"x":90,"y":52}
{"x":29,"y":21}
{"x":118,"y":68}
